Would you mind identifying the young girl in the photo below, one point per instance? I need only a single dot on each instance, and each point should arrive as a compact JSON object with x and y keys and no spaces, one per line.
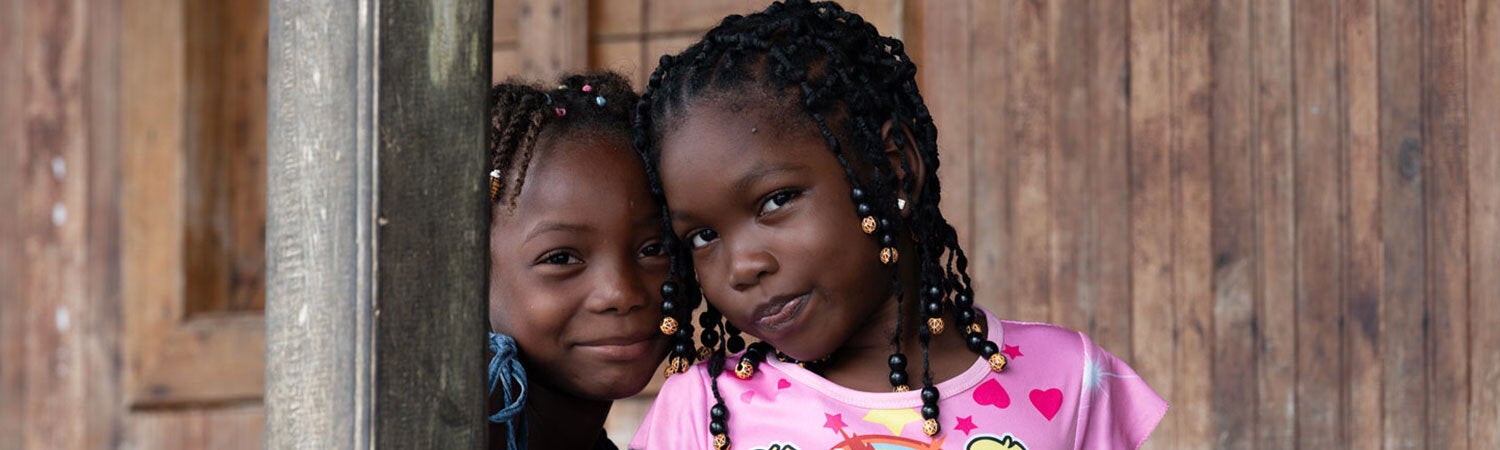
{"x":799,"y":165}
{"x":575,"y":257}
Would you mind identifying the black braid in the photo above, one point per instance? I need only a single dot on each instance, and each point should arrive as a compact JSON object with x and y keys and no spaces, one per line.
{"x":850,"y":81}
{"x":521,"y":113}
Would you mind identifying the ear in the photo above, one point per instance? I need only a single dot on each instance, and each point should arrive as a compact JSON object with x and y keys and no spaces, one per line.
{"x":906,"y":161}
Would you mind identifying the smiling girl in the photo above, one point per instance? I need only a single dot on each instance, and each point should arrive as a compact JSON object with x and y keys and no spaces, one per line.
{"x":798,"y":163}
{"x":575,"y":253}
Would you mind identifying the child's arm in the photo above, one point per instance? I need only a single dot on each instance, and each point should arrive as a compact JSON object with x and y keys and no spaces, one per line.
{"x":678,"y":418}
{"x":1120,"y":410}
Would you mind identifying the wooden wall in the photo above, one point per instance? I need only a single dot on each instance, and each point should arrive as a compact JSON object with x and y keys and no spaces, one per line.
{"x":1283,"y":213}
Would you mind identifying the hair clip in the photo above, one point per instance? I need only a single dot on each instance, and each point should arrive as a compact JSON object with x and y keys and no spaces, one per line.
{"x":562,"y":86}
{"x":549,"y":98}
{"x":588,"y":88}
{"x":560,"y":111}
{"x":599,"y":100}
{"x":494,"y":183}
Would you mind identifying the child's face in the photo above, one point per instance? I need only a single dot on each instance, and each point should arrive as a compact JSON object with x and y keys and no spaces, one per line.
{"x":777,"y":246}
{"x":574,"y":266}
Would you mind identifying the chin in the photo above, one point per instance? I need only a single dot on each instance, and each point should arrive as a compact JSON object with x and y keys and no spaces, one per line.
{"x":612,"y":385}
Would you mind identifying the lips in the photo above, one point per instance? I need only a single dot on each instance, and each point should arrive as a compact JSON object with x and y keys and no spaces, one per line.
{"x":781,"y":312}
{"x":620,"y":347}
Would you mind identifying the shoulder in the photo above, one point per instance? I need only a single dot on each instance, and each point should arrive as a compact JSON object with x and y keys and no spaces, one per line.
{"x":1057,"y":342}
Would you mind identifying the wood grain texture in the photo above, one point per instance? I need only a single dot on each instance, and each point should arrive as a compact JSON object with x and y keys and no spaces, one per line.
{"x":1482,"y":58}
{"x":1363,"y":405}
{"x":1275,"y":321}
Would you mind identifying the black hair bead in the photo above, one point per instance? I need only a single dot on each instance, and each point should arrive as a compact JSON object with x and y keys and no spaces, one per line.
{"x":716,"y":426}
{"x":863,"y":209}
{"x":707,"y":320}
{"x":965,"y":316}
{"x":934,"y":308}
{"x":929,"y":411}
{"x":988,"y":349}
{"x":898,"y":361}
{"x":885,"y":224}
{"x":898,"y":378}
{"x":709,"y":338}
{"x":929,"y":395}
{"x":682,"y":347}
{"x":668,"y":306}
{"x":735,"y":344}
{"x":976,"y":342}
{"x":668,"y":289}
{"x":685,"y":332}
{"x":718,"y":412}
{"x":887,"y":240}
{"x":934,"y":292}
{"x":963,"y":300}
{"x":857,"y":194}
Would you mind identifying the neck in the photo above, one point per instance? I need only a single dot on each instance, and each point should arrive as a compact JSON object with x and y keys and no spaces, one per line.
{"x":861,"y":363}
{"x":557,"y":419}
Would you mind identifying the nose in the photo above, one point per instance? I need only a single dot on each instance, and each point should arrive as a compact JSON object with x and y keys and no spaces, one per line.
{"x":748,"y":263}
{"x":618,"y":290}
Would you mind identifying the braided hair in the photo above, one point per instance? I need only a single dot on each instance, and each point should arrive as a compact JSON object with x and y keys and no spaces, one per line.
{"x":583,"y":105}
{"x":852,"y":82}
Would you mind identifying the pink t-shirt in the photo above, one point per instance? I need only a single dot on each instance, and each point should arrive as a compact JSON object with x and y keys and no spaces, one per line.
{"x":1059,"y":391}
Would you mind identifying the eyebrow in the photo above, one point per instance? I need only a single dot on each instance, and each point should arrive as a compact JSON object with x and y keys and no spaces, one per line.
{"x":549,"y":227}
{"x":748,"y":180}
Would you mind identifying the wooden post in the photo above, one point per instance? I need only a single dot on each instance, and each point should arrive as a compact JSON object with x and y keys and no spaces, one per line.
{"x":376,"y":219}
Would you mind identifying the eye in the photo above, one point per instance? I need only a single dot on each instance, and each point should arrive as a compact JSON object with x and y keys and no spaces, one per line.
{"x":560,"y":258}
{"x":777,"y":200}
{"x":652,"y":250}
{"x":702,"y":237}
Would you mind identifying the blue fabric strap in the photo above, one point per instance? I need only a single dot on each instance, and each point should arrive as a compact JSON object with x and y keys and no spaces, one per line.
{"x":506,"y":366}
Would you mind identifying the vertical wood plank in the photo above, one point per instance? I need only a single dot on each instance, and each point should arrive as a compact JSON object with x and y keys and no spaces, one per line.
{"x":1318,"y":206}
{"x":1483,"y":62}
{"x":1029,"y":111}
{"x":552,"y":37}
{"x":940,"y":40}
{"x":1275,"y":318}
{"x":993,"y":152}
{"x":1364,"y":249}
{"x":1403,"y":312}
{"x":12,"y":154}
{"x":1235,"y":218}
{"x":101,"y":322}
{"x":1193,"y":31}
{"x":1110,"y":218}
{"x":228,"y":428}
{"x":1151,"y":187}
{"x":1447,"y":225}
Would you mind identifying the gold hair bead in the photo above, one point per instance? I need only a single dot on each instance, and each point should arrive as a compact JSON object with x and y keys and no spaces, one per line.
{"x":668,"y":326}
{"x":930,"y":426}
{"x":675,"y":365}
{"x":997,"y":362}
{"x":704,"y":352}
{"x":975,"y":328}
{"x":902,"y":388}
{"x":868,"y":225}
{"x":888,"y":255}
{"x":721,"y":442}
{"x":744,"y":370}
{"x":935,"y":324}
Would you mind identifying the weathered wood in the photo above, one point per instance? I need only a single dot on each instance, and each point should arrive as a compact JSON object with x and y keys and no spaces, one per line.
{"x":433,"y":221}
{"x":993,"y":155}
{"x":1319,"y":231}
{"x":1151,"y":208}
{"x":1403,"y":308}
{"x":377,"y":262}
{"x":552,"y":37}
{"x":941,"y":35}
{"x":1483,"y":92}
{"x":224,"y":157}
{"x":1275,"y":323}
{"x":227,"y":428}
{"x":1027,"y":143}
{"x":1193,"y":253}
{"x":12,"y":303}
{"x":1234,"y":222}
{"x":1363,"y":251}
{"x":1447,"y":224}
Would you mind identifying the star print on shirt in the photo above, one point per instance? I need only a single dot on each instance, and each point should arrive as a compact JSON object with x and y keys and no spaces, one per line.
{"x":1012,"y":351}
{"x":834,"y":422}
{"x":965,"y":424}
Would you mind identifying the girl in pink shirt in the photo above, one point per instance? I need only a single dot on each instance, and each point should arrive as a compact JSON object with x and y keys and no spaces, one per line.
{"x":798,"y":165}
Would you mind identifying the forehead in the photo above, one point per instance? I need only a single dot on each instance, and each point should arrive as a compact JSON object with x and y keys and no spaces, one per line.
{"x":725,"y":135}
{"x":583,"y":177}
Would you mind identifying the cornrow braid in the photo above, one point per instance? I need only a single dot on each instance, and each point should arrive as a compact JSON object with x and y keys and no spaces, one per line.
{"x":591,"y":104}
{"x":850,"y":81}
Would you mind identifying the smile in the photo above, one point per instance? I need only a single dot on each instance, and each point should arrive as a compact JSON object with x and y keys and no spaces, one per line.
{"x":622,"y":348}
{"x":780,"y":313}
